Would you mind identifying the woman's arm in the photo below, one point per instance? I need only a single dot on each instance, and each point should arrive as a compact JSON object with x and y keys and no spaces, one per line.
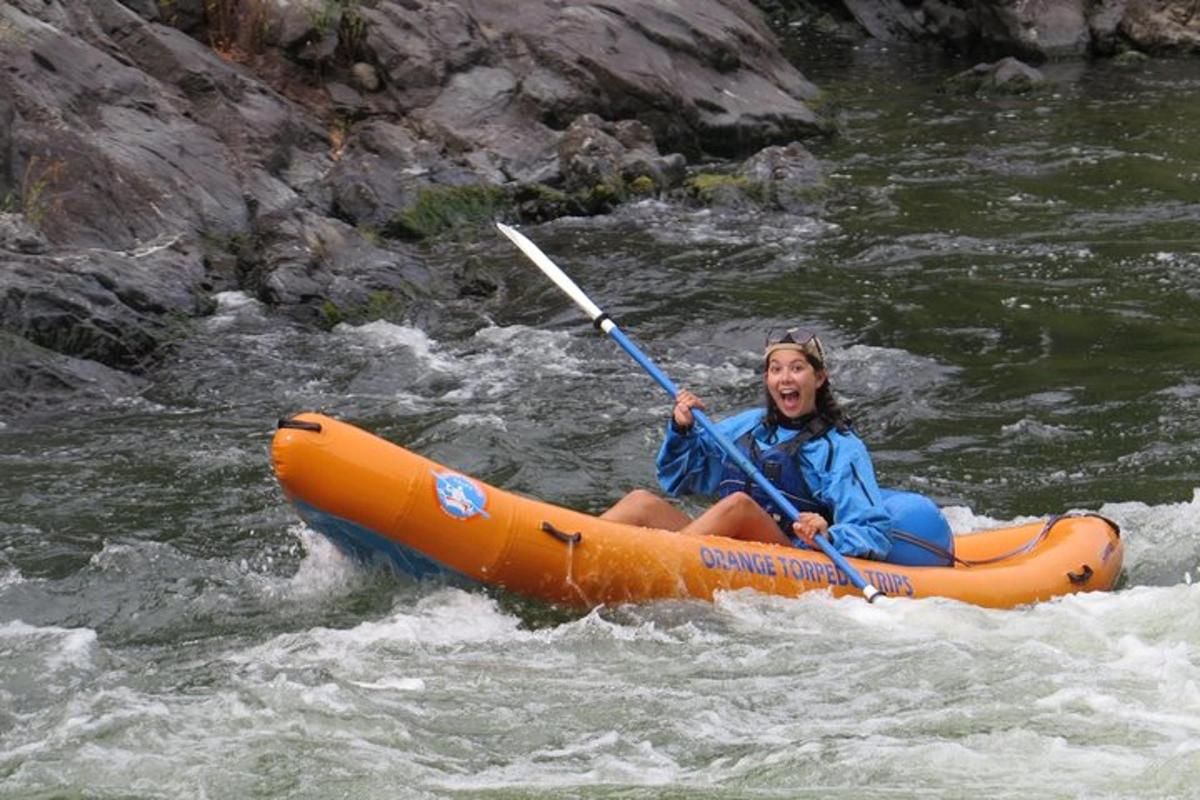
{"x":845,"y":481}
{"x":692,"y":462}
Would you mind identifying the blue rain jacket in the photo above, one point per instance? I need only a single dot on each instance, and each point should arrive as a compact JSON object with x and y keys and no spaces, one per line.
{"x":835,"y":465}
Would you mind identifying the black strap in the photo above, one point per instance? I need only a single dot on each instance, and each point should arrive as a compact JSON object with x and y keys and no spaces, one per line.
{"x":816,"y":427}
{"x":908,"y":538}
{"x":749,"y":445}
{"x":599,"y":320}
{"x":300,"y":425}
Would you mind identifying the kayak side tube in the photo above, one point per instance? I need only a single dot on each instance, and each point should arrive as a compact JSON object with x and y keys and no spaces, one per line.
{"x":378,"y":501}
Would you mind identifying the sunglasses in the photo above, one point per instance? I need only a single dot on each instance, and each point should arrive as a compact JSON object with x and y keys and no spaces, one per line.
{"x":802,"y":338}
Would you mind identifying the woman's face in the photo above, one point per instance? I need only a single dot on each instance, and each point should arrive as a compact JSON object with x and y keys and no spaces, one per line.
{"x":792,"y":383}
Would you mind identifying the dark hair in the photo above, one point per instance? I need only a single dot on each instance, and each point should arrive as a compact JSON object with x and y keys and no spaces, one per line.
{"x":827,"y":405}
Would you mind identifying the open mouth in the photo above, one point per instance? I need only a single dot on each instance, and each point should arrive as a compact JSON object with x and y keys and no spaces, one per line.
{"x":789,"y":399}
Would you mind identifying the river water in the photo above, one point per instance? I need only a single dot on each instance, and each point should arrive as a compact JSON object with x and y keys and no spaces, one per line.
{"x":1009,"y":289}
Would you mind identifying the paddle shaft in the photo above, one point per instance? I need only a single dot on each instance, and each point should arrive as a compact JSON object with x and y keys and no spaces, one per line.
{"x":605,"y":323}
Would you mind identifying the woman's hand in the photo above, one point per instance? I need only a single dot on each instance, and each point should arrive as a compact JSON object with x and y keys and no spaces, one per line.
{"x":685,"y":401}
{"x":808,"y":526}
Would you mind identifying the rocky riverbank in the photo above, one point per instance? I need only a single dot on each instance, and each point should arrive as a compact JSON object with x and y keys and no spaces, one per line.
{"x":155,"y":153}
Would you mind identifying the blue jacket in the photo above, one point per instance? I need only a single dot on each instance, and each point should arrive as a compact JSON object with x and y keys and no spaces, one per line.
{"x":835,"y":465}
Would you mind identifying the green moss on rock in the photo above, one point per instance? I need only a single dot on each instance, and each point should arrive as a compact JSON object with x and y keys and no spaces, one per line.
{"x":440,"y":209}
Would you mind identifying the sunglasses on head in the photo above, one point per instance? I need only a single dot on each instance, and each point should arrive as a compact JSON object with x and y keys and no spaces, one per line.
{"x":802,"y":338}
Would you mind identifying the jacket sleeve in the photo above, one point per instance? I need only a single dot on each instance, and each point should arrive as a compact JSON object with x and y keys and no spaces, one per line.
{"x":693,"y":462}
{"x":845,"y":482}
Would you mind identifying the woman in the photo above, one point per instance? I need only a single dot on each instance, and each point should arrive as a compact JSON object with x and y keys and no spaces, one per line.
{"x":801,"y":440}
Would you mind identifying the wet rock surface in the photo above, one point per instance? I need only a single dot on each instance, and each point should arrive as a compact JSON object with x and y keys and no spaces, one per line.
{"x":154,"y":154}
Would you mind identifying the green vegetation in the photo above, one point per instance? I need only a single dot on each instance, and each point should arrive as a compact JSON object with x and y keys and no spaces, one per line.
{"x":233,"y":25}
{"x":642,"y":185}
{"x":168,"y":11}
{"x":604,"y":196}
{"x":344,"y":17}
{"x":236,"y":27}
{"x":710,"y":187}
{"x":333,"y":315}
{"x":31,"y":197}
{"x":439,"y":209}
{"x":1130,"y":57}
{"x":371,"y":234}
{"x":381,"y":304}
{"x":537,"y":202}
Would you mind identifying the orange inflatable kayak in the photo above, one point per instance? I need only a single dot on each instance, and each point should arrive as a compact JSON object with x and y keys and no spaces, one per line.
{"x":378,"y":501}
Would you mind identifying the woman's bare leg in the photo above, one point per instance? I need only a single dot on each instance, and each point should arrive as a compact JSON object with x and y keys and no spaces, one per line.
{"x":648,"y":510}
{"x":738,"y":517}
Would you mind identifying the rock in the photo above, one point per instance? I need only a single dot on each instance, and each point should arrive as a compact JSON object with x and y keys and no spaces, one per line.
{"x":588,"y":155}
{"x":116,"y":308}
{"x":788,"y":179}
{"x":299,"y":24}
{"x":1008,"y":75}
{"x":33,"y":378}
{"x":1035,"y":32}
{"x":148,"y":168}
{"x":381,"y":171}
{"x":366,"y":77}
{"x":8,"y":120}
{"x":168,"y":138}
{"x":346,"y":102}
{"x":484,"y":75}
{"x":19,"y":236}
{"x":791,"y":177}
{"x":1162,"y":25}
{"x":593,"y":153}
{"x":311,"y":264}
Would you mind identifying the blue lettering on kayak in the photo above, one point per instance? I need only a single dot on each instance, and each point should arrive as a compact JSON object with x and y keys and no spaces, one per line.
{"x":737,"y":561}
{"x":890,"y":583}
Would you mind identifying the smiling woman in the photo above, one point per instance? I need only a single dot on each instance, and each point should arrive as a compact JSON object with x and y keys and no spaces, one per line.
{"x":803,"y":443}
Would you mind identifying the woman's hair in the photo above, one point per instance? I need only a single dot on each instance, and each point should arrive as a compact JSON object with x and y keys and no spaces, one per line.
{"x":827,"y":405}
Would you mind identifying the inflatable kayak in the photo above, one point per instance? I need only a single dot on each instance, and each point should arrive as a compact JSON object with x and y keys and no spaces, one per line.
{"x":379,"y":502}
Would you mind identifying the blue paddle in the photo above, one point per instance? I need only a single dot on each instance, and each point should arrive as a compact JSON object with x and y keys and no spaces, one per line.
{"x":605,"y":323}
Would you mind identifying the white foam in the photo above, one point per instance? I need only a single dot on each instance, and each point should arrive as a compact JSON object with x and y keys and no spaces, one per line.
{"x":61,"y":648}
{"x":1039,"y":430}
{"x":393,"y":685}
{"x":445,"y":618}
{"x":964,"y":520}
{"x":504,"y":359}
{"x":383,"y":336}
{"x":324,"y":570}
{"x":1159,"y":538}
{"x":492,"y":421}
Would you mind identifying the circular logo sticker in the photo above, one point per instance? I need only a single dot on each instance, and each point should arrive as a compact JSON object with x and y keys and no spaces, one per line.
{"x":459,"y":496}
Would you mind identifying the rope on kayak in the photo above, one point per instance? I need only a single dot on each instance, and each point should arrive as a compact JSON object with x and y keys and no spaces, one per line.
{"x":1039,"y":538}
{"x":562,"y":536}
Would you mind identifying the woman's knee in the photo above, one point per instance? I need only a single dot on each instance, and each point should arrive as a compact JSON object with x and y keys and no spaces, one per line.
{"x":645,"y":508}
{"x":737,"y":503}
{"x":643,"y":497}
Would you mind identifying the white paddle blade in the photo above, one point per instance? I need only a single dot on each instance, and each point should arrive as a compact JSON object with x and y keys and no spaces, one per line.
{"x":551,"y":269}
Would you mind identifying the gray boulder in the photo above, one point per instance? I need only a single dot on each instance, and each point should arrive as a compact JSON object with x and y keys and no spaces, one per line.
{"x":1006,"y":76}
{"x":154,"y":153}
{"x":1034,"y":32}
